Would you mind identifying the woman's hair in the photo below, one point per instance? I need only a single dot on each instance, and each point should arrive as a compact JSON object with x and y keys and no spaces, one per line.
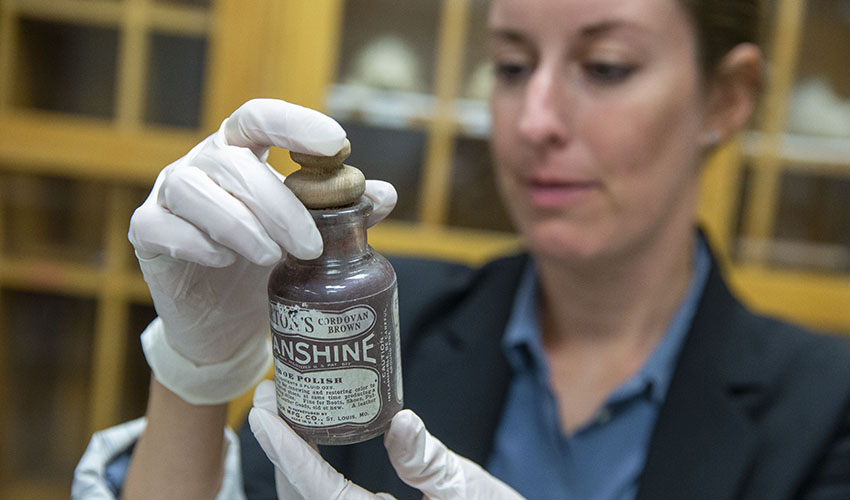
{"x":721,"y":25}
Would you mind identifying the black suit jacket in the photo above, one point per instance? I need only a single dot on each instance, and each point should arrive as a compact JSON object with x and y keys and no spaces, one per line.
{"x":757,"y":409}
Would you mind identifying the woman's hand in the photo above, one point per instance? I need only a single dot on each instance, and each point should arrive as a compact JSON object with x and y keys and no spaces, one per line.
{"x":419,"y":458}
{"x":207,"y":237}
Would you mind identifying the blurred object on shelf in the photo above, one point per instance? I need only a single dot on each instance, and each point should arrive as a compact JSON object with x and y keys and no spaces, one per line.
{"x":473,"y":117}
{"x":380,"y":108}
{"x":388,"y":63}
{"x":480,"y":82}
{"x":816,"y":109}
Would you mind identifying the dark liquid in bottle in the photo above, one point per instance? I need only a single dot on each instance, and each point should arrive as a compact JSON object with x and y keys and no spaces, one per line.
{"x":335,"y":335}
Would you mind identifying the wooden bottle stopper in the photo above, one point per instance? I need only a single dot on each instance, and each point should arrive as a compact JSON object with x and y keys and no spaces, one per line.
{"x":324,"y":181}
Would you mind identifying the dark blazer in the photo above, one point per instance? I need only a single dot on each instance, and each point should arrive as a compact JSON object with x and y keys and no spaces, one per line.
{"x":757,"y":409}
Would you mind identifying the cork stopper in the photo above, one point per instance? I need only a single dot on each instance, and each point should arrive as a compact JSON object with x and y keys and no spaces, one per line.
{"x":324,"y":181}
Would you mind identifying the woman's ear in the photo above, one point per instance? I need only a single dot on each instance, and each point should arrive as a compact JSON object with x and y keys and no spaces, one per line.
{"x":732,"y":93}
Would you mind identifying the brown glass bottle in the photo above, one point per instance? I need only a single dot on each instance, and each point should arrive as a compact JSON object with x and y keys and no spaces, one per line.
{"x":335,"y":334}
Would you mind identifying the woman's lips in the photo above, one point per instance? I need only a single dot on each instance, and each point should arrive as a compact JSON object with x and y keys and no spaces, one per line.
{"x":556,"y":194}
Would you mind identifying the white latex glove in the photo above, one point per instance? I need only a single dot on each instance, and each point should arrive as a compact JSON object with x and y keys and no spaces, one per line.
{"x":207,"y":237}
{"x":419,"y":458}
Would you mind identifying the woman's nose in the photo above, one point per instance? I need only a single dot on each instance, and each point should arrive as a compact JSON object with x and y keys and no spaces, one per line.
{"x":543,"y":117}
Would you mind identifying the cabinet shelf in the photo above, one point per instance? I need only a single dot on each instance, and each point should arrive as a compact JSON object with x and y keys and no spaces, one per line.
{"x":58,"y":144}
{"x":180,"y":18}
{"x":818,"y":299}
{"x":90,"y":12}
{"x":71,"y":278}
{"x":803,"y":152}
{"x":404,"y":110}
{"x":795,"y":254}
{"x":380,"y":108}
{"x":470,"y":246}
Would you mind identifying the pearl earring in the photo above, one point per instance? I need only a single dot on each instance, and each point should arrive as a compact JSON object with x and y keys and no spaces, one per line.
{"x":713,"y":138}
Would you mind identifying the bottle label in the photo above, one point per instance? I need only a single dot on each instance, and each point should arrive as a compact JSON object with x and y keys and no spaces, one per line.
{"x":335,"y":362}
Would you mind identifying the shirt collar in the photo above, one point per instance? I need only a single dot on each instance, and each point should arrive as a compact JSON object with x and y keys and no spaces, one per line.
{"x":523,"y":346}
{"x":522,"y":342}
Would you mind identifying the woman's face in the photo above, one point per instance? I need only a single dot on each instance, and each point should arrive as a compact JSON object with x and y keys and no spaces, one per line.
{"x":598,"y":112}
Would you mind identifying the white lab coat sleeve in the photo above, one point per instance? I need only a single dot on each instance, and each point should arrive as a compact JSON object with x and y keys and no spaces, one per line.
{"x":91,"y":481}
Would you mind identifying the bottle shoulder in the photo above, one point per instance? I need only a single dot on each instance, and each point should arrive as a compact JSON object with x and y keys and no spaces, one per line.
{"x":314,"y":281}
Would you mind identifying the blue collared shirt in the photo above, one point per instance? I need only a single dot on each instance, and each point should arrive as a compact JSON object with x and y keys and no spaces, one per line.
{"x":603,"y":459}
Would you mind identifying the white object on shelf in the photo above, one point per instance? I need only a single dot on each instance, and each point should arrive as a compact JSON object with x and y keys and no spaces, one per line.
{"x":817,"y":110}
{"x":388,"y":63}
{"x":473,"y":117}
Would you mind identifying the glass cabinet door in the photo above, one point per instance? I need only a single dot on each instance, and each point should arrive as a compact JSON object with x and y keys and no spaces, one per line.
{"x":411,"y":90}
{"x":84,"y":85}
{"x":792,"y":235}
{"x":384,"y":91}
{"x":813,"y":213}
{"x":798,"y":175}
{"x":133,"y":61}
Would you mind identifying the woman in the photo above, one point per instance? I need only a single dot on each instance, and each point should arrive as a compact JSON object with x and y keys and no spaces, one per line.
{"x":608,"y":363}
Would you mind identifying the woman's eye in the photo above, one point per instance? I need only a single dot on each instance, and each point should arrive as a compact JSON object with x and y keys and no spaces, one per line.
{"x":510,"y":72}
{"x":608,"y":72}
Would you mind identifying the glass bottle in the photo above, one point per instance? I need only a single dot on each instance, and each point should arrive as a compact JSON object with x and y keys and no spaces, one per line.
{"x":335,"y":331}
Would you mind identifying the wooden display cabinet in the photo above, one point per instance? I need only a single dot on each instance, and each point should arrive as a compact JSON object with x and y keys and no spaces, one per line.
{"x":787,"y":226}
{"x":96,"y":96}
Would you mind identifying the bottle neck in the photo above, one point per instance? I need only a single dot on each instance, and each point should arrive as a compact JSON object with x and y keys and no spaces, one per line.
{"x":343,"y":232}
